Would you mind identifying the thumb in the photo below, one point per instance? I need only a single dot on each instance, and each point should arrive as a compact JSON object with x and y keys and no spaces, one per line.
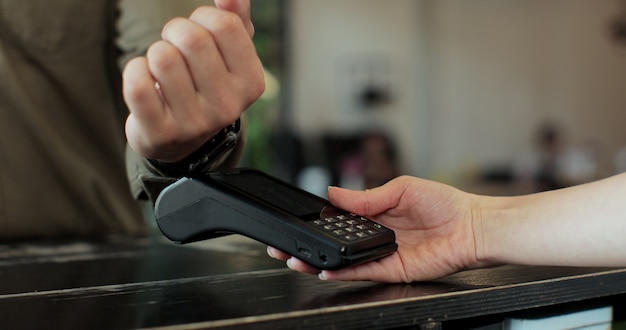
{"x":367,"y":203}
{"x":241,"y":8}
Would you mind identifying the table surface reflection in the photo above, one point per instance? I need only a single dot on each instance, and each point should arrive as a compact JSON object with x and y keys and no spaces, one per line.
{"x":230,"y":283}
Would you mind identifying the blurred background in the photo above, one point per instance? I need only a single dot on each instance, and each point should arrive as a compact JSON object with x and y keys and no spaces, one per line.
{"x":492,"y":96}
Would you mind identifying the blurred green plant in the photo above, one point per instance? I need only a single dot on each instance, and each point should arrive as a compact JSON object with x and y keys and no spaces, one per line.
{"x":262,"y":116}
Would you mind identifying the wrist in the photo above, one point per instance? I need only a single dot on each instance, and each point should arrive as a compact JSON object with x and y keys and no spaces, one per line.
{"x":489,"y":229}
{"x":205,"y":156}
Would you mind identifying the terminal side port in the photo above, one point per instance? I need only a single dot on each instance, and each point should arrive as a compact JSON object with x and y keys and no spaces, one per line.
{"x":305,"y":252}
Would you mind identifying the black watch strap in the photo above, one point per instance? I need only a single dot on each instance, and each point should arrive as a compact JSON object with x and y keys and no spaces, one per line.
{"x":193,"y":164}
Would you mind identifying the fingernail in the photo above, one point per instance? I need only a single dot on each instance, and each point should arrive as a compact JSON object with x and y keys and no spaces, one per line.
{"x":289,"y":261}
{"x":269,"y":252}
{"x":321,"y":276}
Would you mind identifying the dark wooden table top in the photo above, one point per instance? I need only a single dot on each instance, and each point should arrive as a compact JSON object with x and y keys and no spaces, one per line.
{"x":230,"y":283}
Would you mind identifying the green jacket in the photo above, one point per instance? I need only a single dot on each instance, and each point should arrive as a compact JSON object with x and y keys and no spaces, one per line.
{"x":62,"y":143}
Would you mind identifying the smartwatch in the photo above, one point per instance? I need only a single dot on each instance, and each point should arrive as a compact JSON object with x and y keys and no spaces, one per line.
{"x":200,"y":159}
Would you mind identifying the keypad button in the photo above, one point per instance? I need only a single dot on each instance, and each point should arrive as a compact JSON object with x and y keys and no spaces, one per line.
{"x":350,"y":237}
{"x":339,"y":232}
{"x":349,"y":226}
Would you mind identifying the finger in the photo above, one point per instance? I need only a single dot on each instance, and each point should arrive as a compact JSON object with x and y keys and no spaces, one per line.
{"x":232,"y":39}
{"x":347,"y":274}
{"x":368,"y":202}
{"x":171,"y":72}
{"x":241,"y":8}
{"x":301,"y":266}
{"x":140,"y":94}
{"x":277,"y":254}
{"x":292,"y":262}
{"x":380,"y":271}
{"x":200,"y":53}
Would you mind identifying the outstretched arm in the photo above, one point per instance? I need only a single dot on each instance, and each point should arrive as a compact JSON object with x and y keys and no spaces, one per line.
{"x":441,"y":230}
{"x":578,"y":226}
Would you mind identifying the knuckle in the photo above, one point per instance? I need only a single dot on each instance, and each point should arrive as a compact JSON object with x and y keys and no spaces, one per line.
{"x":171,"y":25}
{"x":132,"y":82}
{"x":188,"y":37}
{"x":226,"y":23}
{"x":193,"y":39}
{"x":216,"y":20}
{"x":185,"y":35}
{"x":134,"y":93}
{"x":202,"y":11}
{"x":162,"y":56}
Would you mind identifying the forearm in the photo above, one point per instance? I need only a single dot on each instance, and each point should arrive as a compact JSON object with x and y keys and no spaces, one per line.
{"x":578,"y":226}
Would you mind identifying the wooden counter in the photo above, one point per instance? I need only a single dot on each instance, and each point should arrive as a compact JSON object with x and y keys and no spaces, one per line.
{"x":230,"y":283}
